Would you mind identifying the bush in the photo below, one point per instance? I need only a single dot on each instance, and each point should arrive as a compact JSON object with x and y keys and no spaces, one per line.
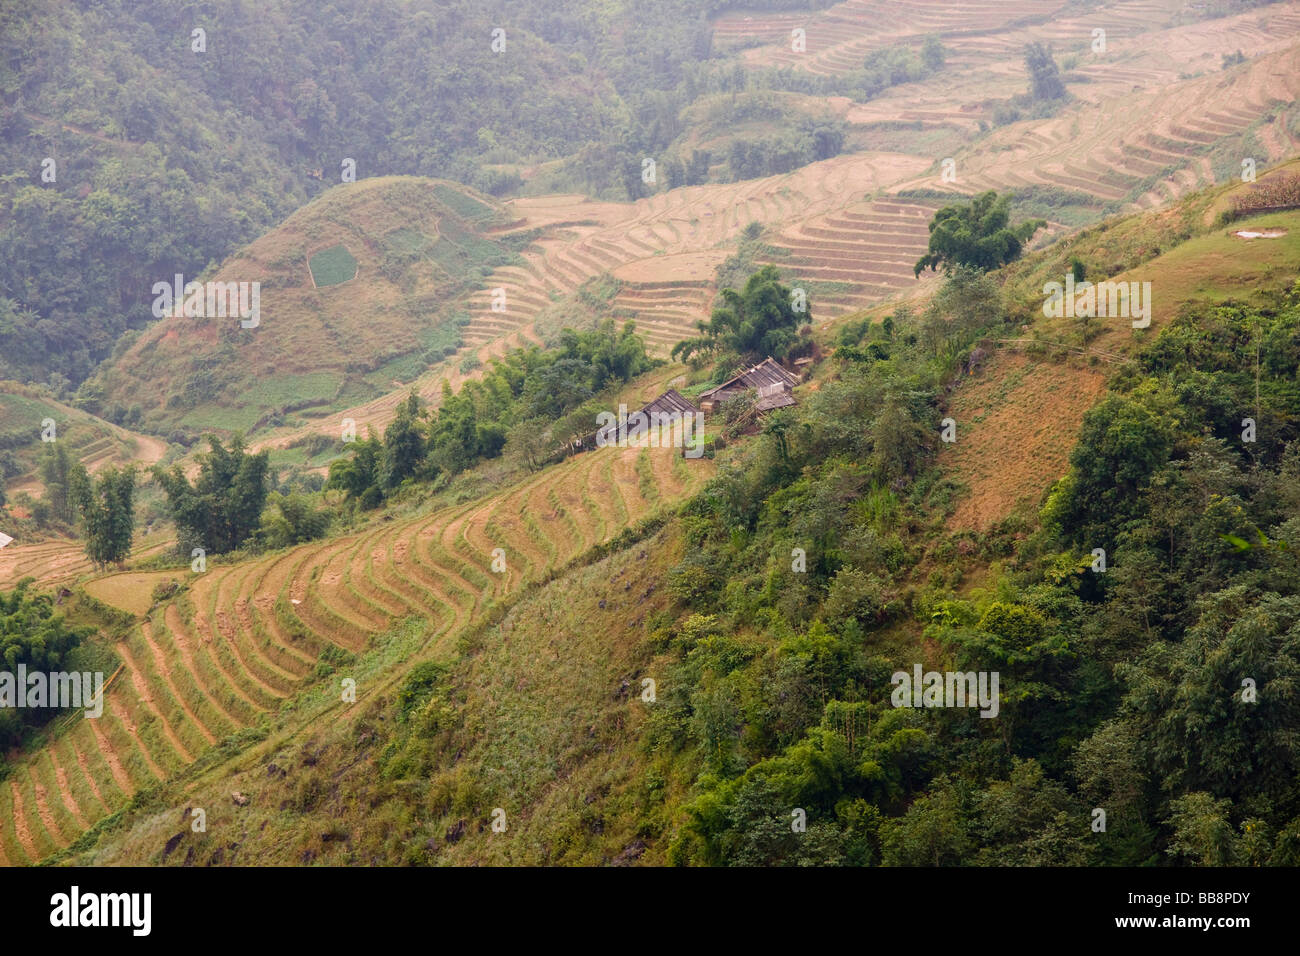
{"x":165,"y":590}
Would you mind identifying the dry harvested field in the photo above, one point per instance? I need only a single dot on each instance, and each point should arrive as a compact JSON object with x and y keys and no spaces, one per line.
{"x":665,"y":247}
{"x":61,"y":561}
{"x":1149,"y":106}
{"x":838,"y":38}
{"x":244,"y":638}
{"x":1016,"y":424}
{"x":1115,"y":147}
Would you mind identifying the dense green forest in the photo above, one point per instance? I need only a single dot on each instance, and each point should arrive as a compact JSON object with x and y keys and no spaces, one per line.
{"x":36,"y":636}
{"x":1161,"y":690}
{"x":135,"y":149}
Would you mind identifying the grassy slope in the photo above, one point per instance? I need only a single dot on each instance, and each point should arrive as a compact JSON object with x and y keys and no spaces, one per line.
{"x":546,"y":703}
{"x":415,"y":254}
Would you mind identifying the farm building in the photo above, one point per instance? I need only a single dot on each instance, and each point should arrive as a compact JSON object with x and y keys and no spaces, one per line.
{"x":772,"y":383}
{"x":668,"y":412}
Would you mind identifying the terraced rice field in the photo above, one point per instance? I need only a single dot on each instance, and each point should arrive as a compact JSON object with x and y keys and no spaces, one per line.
{"x":1157,"y":139}
{"x":60,"y":561}
{"x":1141,"y":132}
{"x":244,"y":638}
{"x":1138,"y":134}
{"x":1149,"y":107}
{"x":665,"y":248}
{"x":840,"y":37}
{"x":860,"y":254}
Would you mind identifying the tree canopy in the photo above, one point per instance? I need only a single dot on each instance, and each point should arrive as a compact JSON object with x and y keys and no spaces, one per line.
{"x":976,"y":234}
{"x":223,"y":506}
{"x":758,"y":321}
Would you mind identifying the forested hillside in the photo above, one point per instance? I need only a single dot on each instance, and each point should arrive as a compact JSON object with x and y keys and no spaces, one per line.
{"x":675,"y":696}
{"x":171,"y":150}
{"x":970,"y":537}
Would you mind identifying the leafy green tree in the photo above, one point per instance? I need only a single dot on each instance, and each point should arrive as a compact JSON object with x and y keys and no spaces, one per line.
{"x":1220,"y":710}
{"x":292,"y":519}
{"x":63,"y":478}
{"x":31,"y":633}
{"x":223,"y":507}
{"x":758,"y":321}
{"x":108,"y":516}
{"x":935,"y":831}
{"x":404,"y":444}
{"x":1202,"y":830}
{"x":976,"y":234}
{"x":358,"y":476}
{"x":1044,"y":75}
{"x":933,"y":54}
{"x":1031,"y":820}
{"x":1122,"y":443}
{"x":530,"y":442}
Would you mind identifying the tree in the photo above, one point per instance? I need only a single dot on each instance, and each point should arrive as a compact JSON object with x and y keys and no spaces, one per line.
{"x":976,"y":234}
{"x":1122,"y":443}
{"x":758,"y":321}
{"x":933,"y":54}
{"x":358,"y":476}
{"x":530,"y":443}
{"x":1044,"y":75}
{"x":59,"y":473}
{"x":1202,"y":831}
{"x":1029,"y":819}
{"x":292,"y":519}
{"x":935,"y":831}
{"x":224,"y":505}
{"x":31,"y":633}
{"x":108,"y":516}
{"x":1205,"y":727}
{"x":404,"y":444}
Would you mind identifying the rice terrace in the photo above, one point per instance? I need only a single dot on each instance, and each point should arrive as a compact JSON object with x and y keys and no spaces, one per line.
{"x":987,"y":319}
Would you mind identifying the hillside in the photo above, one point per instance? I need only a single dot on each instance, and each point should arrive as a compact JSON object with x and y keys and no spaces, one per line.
{"x":400,"y":252}
{"x":95,"y":442}
{"x":1148,"y":121}
{"x":407,"y":615}
{"x":210,"y":668}
{"x":478,"y":690}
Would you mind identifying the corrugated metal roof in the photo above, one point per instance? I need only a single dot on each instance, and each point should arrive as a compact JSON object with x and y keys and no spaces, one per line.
{"x":765,"y":373}
{"x":670,"y":402}
{"x":778,"y":399}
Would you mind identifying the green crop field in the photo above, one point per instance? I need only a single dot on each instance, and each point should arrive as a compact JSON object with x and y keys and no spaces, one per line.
{"x":332,"y":266}
{"x":461,"y":204}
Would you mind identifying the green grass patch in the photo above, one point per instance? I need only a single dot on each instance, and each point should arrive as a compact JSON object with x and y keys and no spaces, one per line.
{"x":459,"y":252}
{"x":294,"y":389}
{"x":332,"y":266}
{"x":407,"y":241}
{"x":467,"y":207}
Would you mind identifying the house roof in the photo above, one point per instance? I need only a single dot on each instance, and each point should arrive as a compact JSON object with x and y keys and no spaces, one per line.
{"x":765,"y":373}
{"x":669,"y":403}
{"x":778,"y":399}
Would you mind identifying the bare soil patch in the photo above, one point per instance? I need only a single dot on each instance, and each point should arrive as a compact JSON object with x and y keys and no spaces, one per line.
{"x":1016,"y":425}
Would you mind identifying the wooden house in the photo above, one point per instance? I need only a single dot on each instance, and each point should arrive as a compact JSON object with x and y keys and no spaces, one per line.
{"x":772,"y":383}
